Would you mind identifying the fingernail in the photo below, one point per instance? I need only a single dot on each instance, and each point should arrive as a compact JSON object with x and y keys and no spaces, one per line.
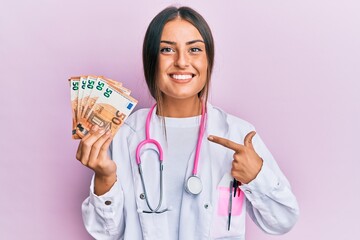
{"x":108,"y":132}
{"x":210,"y":138}
{"x":95,"y":127}
{"x":102,"y":131}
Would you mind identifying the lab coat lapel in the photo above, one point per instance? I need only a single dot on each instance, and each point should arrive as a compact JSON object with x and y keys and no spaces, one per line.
{"x":218,"y":126}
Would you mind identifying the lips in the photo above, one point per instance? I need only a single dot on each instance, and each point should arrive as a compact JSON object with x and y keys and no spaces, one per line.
{"x":182,"y":77}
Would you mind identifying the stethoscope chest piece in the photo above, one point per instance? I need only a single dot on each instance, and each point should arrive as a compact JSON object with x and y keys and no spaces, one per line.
{"x":193,"y":185}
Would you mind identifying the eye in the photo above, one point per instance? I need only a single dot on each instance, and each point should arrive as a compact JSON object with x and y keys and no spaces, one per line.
{"x":195,"y":50}
{"x":166,"y":50}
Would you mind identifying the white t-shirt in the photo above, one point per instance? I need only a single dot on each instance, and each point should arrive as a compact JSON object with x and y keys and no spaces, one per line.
{"x":181,"y":135}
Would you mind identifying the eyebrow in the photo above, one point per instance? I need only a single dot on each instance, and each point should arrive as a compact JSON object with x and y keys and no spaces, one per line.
{"x":187,"y":43}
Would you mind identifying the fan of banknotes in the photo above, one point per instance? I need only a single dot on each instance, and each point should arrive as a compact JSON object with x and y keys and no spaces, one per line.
{"x":97,"y":100}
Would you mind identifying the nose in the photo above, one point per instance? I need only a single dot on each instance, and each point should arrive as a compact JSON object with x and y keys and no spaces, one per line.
{"x":182,"y":60}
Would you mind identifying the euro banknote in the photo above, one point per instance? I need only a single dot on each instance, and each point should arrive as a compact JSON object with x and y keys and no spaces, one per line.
{"x":97,"y":100}
{"x":74,"y":89}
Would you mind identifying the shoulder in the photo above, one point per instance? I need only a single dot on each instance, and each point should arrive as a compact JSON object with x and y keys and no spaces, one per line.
{"x":136,"y":120}
{"x":219,"y":117}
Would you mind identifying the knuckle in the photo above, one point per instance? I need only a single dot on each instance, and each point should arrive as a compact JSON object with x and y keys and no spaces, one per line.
{"x":104,"y":147}
{"x":83,"y":162}
{"x":86,"y":145}
{"x":95,"y":164}
{"x":96,"y":147}
{"x":92,"y":164}
{"x":233,"y":165}
{"x":100,"y":165}
{"x":237,"y":158}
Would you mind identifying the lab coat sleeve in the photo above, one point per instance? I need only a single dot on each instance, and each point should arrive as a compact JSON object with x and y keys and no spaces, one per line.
{"x":103,"y":215}
{"x":270,"y":201}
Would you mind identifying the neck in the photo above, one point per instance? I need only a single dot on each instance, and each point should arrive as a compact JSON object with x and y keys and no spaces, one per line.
{"x":181,"y":108}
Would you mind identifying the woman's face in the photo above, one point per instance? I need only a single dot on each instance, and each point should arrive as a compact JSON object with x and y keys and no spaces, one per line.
{"x":182,"y":65}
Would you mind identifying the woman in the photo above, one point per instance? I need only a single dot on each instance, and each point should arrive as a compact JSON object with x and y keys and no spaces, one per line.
{"x":204,"y":153}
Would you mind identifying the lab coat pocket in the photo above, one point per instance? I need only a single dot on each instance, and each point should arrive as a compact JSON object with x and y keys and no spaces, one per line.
{"x":224,"y":201}
{"x":154,"y":225}
{"x":235,"y":206}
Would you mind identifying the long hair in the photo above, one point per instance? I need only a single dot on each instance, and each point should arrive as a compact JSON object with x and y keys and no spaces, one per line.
{"x":151,"y":47}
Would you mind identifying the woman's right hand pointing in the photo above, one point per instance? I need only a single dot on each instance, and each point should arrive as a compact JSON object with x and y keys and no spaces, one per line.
{"x":92,"y":152}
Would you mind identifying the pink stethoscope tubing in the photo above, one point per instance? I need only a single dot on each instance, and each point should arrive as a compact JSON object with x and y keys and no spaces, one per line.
{"x":201,"y":134}
{"x":148,"y":139}
{"x":193,"y":184}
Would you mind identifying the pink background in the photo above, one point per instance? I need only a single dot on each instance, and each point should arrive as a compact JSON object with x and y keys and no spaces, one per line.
{"x":289,"y":67}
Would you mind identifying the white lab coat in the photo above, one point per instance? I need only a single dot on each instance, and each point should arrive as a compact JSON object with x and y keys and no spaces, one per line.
{"x":267,"y":199}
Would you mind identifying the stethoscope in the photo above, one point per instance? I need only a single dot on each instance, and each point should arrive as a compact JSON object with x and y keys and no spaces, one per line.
{"x":193,"y":184}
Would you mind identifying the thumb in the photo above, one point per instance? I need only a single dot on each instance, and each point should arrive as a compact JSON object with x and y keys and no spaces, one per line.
{"x":248,"y":139}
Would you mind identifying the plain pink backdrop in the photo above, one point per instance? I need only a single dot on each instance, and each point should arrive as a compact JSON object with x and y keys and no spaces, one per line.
{"x":291,"y":68}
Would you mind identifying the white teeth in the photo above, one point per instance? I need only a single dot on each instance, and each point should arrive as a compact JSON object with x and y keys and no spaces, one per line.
{"x":181,"y":77}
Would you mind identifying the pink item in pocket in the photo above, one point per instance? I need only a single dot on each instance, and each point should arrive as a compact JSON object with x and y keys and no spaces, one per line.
{"x":223,"y":203}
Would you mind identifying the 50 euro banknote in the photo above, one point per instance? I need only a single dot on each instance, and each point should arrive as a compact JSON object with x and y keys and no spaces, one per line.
{"x":74,"y":90}
{"x":101,"y":101}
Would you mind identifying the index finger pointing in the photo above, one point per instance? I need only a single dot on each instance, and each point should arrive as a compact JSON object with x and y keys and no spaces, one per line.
{"x":225,"y":142}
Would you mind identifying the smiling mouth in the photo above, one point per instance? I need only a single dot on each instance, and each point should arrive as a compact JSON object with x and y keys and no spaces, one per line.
{"x":182,"y":77}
